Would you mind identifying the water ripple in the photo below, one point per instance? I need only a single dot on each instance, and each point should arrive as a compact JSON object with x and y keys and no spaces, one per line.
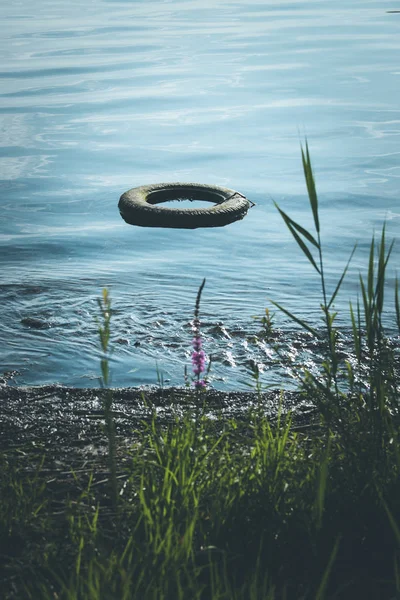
{"x":129,"y":93}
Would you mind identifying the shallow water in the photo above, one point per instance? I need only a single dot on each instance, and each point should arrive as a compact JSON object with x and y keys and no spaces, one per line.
{"x":123,"y":94}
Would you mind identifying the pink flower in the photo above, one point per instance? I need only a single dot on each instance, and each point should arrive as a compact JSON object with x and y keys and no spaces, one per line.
{"x":198,"y":361}
{"x":197,"y":342}
{"x":199,"y":383}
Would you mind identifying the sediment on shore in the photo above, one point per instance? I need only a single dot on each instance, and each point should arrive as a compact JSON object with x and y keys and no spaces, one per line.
{"x":68,"y":422}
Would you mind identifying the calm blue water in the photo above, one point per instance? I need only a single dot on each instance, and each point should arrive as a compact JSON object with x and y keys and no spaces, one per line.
{"x":102,"y":96}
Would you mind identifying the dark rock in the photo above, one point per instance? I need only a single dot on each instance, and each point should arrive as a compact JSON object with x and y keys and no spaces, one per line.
{"x":35,"y":323}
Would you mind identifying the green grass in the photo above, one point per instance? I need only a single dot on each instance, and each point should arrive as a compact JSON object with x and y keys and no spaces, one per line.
{"x":243,"y":509}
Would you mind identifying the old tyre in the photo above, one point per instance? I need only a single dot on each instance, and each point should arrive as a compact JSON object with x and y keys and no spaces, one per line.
{"x":143,"y":206}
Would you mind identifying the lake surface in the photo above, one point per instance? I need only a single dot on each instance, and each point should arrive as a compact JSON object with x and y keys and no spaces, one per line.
{"x":102,"y":96}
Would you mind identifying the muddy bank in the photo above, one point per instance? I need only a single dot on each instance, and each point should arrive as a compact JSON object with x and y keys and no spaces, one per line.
{"x":69,"y":421}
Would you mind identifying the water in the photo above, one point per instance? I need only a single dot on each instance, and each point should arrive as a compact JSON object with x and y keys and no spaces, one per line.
{"x":100,"y":99}
{"x":187,"y":203}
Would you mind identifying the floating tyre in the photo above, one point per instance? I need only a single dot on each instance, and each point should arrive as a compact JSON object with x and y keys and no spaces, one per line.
{"x":143,"y":206}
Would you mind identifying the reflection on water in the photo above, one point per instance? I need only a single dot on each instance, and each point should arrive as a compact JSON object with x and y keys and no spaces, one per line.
{"x":131,"y":94}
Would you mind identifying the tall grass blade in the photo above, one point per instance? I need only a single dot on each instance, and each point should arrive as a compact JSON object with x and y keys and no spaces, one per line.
{"x":320,"y":595}
{"x":304,"y":248}
{"x":382,"y":264}
{"x":296,"y":319}
{"x":292,"y":226}
{"x":309,"y":176}
{"x":341,"y":278}
{"x":356,"y":337}
{"x":321,"y":491}
{"x":392,"y":521}
{"x":104,"y":334}
{"x":381,"y":273}
{"x":397,"y":303}
{"x":367,"y":307}
{"x":370,"y":278}
{"x":298,"y":227}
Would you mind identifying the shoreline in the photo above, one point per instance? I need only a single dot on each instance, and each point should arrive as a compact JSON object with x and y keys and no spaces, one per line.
{"x":69,"y":421}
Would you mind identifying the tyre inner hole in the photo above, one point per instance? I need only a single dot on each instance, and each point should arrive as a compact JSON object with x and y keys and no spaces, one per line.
{"x":184,"y":198}
{"x":186,"y":203}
